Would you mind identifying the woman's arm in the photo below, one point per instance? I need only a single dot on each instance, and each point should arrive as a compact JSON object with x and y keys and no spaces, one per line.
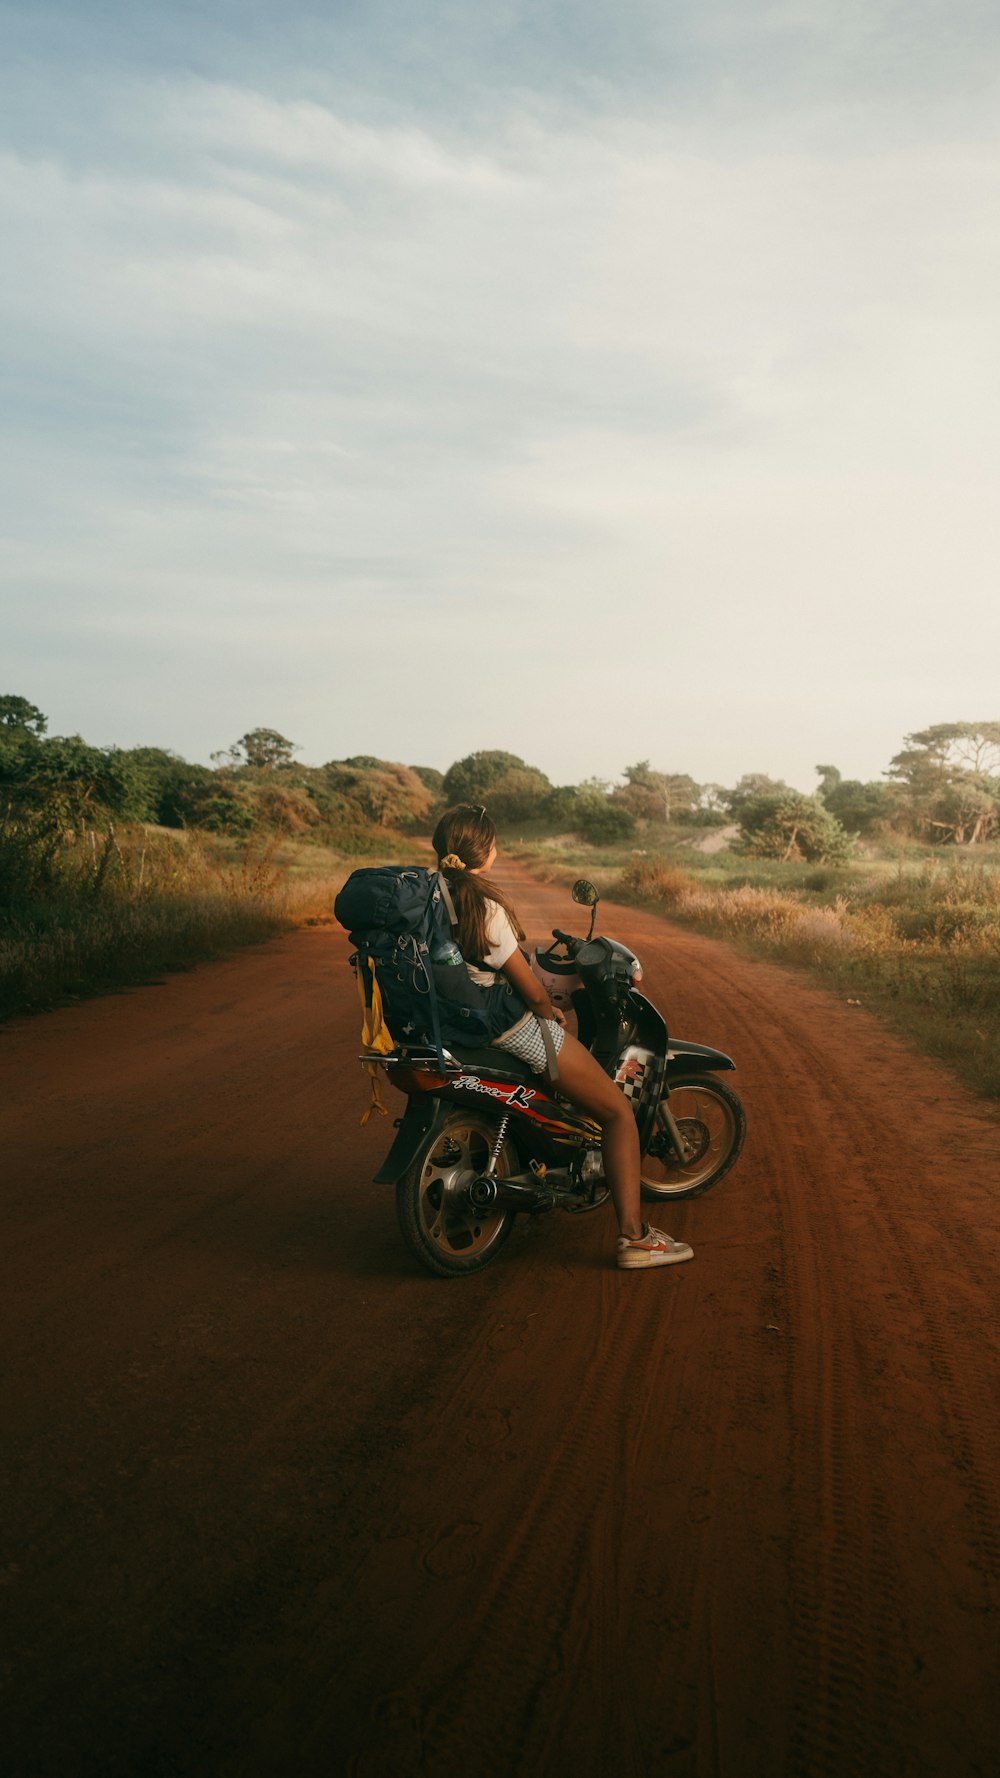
{"x":520,"y":976}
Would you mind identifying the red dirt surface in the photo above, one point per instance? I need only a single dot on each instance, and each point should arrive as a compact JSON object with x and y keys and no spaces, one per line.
{"x":278,"y":1502}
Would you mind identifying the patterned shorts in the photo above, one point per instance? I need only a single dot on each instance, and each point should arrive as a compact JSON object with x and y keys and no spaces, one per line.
{"x":525,"y":1040}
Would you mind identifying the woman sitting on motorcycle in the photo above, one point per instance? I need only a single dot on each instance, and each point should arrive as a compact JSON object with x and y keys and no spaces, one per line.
{"x":488,"y":931}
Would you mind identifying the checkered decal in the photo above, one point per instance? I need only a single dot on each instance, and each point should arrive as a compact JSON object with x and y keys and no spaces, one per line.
{"x":632,"y":1071}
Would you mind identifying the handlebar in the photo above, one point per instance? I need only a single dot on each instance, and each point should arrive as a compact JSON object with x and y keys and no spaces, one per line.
{"x":565,"y":938}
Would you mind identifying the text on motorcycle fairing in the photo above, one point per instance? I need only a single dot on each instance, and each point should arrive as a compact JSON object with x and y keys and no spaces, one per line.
{"x":515,"y":1096}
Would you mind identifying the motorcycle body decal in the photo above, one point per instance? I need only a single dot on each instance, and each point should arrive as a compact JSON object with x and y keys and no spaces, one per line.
{"x":530,"y":1104}
{"x":633,"y":1070}
{"x":517,"y":1097}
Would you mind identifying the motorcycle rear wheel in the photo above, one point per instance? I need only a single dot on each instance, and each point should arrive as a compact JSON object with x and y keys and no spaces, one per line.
{"x":439,"y":1225}
{"x":712,"y":1122}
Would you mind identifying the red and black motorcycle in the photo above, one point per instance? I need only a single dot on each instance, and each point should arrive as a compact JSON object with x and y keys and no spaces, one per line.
{"x":483,"y":1138}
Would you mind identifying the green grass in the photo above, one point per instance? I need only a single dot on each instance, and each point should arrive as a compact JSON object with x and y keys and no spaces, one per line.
{"x":912,"y":934}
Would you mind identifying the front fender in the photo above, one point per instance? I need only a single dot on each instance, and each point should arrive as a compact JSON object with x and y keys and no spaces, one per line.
{"x":418,"y":1120}
{"x":694,"y":1058}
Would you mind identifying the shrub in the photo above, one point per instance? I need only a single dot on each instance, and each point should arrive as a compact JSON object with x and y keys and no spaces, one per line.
{"x":603,"y":823}
{"x":785,"y":824}
{"x":654,"y":880}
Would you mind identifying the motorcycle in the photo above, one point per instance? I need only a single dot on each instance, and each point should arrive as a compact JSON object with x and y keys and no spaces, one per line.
{"x":484,"y":1139}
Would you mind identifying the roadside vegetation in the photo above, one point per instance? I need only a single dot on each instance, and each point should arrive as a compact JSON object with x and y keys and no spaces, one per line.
{"x":118,"y":865}
{"x":911,"y":933}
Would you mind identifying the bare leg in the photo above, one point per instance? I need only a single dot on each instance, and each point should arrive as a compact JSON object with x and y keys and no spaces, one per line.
{"x":583,"y":1080}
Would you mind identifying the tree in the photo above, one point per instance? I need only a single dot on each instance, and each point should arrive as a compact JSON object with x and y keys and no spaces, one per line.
{"x":786,"y":824}
{"x":604,"y":824}
{"x":657,"y":796}
{"x":520,"y":795}
{"x":76,"y":785}
{"x":949,"y":776}
{"x":964,"y":813}
{"x":968,"y":746}
{"x":379,"y":790}
{"x":432,"y":778}
{"x":22,"y":728}
{"x":176,"y":791}
{"x":711,"y":808}
{"x":225,"y":806}
{"x":589,"y":810}
{"x":264,"y":749}
{"x":751,"y":786}
{"x":858,"y":807}
{"x":17,"y":713}
{"x":861,"y":807}
{"x":472,"y":779}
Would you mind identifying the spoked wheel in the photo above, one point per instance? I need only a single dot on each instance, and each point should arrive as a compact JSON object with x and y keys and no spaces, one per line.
{"x":712,"y":1126}
{"x":444,"y":1230}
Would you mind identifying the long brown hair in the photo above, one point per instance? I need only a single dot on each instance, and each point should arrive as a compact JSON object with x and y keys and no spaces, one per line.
{"x":467,"y":834}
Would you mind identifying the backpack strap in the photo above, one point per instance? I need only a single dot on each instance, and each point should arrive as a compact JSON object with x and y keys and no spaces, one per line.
{"x":449,"y":908}
{"x":551,"y":1059}
{"x":453,"y":917}
{"x":446,"y":897}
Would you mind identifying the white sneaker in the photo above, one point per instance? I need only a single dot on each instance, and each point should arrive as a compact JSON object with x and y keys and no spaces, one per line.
{"x":651,"y":1248}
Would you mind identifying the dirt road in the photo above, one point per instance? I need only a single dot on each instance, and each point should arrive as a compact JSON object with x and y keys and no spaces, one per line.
{"x":277,"y":1502}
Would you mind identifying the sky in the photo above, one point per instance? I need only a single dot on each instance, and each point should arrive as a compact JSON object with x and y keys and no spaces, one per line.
{"x":599,"y":384}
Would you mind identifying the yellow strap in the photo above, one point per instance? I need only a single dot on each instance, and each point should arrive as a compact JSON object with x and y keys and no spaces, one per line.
{"x":374,"y":1035}
{"x":374,"y":1029}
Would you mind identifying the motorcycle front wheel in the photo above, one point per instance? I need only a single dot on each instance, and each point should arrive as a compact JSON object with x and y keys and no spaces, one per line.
{"x":445,"y":1232}
{"x":712,"y":1125}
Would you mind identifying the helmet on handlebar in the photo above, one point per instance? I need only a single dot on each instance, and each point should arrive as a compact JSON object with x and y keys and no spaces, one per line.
{"x":559,"y":976}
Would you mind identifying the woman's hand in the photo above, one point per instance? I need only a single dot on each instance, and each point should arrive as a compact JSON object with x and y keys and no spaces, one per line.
{"x":522,"y":977}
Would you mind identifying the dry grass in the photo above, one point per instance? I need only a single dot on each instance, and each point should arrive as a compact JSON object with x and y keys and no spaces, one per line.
{"x":123,"y":907}
{"x":127,"y":907}
{"x":921,"y":946}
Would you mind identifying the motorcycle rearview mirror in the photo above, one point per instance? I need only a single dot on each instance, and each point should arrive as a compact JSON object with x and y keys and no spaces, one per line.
{"x":585,"y":892}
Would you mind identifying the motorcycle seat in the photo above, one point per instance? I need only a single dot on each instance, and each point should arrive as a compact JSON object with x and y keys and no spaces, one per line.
{"x":489,"y":1060}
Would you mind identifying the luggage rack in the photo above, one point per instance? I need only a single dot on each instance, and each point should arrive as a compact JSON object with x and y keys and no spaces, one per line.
{"x":418,"y":1055}
{"x":423,"y":1060}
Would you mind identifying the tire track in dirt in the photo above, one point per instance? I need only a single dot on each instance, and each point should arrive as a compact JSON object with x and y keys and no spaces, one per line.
{"x":840,"y":1574}
{"x":488,"y":1581}
{"x":557,"y":1552}
{"x":847,"y":1654}
{"x":844,"y":1555}
{"x":281,"y":1502}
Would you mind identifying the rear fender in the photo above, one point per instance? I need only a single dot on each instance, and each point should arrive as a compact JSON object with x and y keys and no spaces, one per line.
{"x":418,"y":1120}
{"x":694,"y":1058}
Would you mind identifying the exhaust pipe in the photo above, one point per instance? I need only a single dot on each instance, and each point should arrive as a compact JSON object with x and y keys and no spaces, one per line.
{"x":520,"y":1192}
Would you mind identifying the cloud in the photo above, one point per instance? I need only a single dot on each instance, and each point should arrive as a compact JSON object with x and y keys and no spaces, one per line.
{"x":716,"y":390}
{"x":303,"y":136}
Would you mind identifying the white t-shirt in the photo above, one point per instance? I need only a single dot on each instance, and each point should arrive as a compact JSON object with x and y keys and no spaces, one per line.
{"x":502,"y":943}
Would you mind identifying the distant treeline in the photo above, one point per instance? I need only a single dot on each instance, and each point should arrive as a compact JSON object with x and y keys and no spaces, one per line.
{"x":944,"y":785}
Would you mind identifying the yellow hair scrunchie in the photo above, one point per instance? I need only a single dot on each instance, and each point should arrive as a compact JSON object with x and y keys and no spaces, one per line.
{"x":451,"y":861}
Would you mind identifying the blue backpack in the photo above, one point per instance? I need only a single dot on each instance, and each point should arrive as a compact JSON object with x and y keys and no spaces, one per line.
{"x":400,"y":919}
